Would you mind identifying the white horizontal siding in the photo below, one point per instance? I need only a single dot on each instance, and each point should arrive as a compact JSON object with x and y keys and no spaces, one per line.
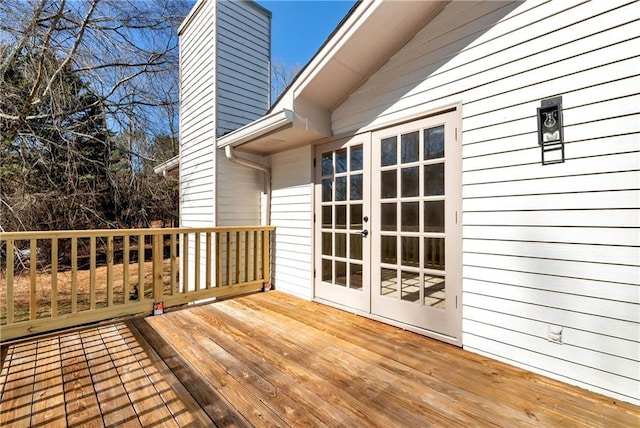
{"x":291,"y":214}
{"x":542,"y":245}
{"x":243,"y":54}
{"x":240,"y":191}
{"x":197,"y":124}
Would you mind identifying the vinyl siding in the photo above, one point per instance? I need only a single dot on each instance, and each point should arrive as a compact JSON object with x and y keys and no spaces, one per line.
{"x":291,"y":213}
{"x":543,"y":246}
{"x":240,"y":191}
{"x":243,"y":52}
{"x":197,"y":119}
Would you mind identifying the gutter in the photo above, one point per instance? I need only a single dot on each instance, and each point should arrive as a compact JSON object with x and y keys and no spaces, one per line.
{"x":230,"y":154}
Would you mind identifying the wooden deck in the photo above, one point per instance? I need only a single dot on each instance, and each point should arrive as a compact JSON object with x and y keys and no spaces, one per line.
{"x":269,"y":359}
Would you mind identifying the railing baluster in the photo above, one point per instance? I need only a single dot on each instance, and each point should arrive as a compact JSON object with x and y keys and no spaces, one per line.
{"x":157,"y":267}
{"x":10,"y":300}
{"x":238,"y":252}
{"x":74,"y":275}
{"x":185,"y":262}
{"x":229,"y":244}
{"x":54,"y":277}
{"x":218,"y":259}
{"x":172,"y":256}
{"x":33,"y":248}
{"x":92,"y":272}
{"x":125,"y":269}
{"x":140,"y":268}
{"x":109,"y":271}
{"x":246,"y":256}
{"x":255,"y":255}
{"x":208,"y":260}
{"x":196,"y":251}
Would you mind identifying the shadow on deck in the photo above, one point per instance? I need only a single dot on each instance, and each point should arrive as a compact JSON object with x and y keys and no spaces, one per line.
{"x":269,"y":359}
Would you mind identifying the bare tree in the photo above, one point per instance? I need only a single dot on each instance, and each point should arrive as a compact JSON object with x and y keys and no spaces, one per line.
{"x":282,"y":74}
{"x":86,"y":87}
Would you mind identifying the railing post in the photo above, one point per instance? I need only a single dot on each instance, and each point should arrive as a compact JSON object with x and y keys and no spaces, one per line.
{"x":10,"y":303}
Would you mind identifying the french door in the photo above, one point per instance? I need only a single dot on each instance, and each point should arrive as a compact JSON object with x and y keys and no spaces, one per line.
{"x":389,"y":237}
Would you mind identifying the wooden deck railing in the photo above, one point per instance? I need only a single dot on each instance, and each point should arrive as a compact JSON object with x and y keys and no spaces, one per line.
{"x":59,"y":279}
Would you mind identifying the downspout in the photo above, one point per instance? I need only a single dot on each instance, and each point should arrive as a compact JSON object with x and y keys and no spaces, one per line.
{"x":228,"y":151}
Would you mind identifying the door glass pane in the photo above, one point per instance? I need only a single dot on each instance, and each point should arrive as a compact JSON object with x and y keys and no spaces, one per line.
{"x":388,"y":282}
{"x":355,"y":222}
{"x":356,"y":187}
{"x":410,"y":182}
{"x":341,"y":188}
{"x":327,"y":220}
{"x":356,"y":158}
{"x":388,"y":187}
{"x":410,"y":286}
{"x":434,"y":142}
{"x":327,"y":189}
{"x":326,"y":270}
{"x":389,"y":152}
{"x":434,"y":253}
{"x":355,"y":246}
{"x":434,"y":291}
{"x":341,"y":273}
{"x":434,"y":179}
{"x":341,"y":245}
{"x":388,"y":249}
{"x":341,"y":216}
{"x":409,"y":147}
{"x":389,"y":216}
{"x":327,"y":163}
{"x":341,"y":160}
{"x":410,"y":216}
{"x":410,"y":251}
{"x":355,"y":276}
{"x":434,"y":216}
{"x":326,"y":244}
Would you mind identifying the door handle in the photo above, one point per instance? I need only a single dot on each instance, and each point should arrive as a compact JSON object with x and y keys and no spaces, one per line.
{"x":364,"y":233}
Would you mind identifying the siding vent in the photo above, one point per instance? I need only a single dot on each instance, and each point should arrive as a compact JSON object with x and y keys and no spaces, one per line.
{"x":555,"y":334}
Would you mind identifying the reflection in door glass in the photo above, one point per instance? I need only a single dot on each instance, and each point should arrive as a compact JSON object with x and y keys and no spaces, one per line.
{"x":434,"y":253}
{"x":434,"y":179}
{"x":341,"y":216}
{"x":434,"y":291}
{"x":341,"y":273}
{"x":327,"y":163}
{"x":341,"y":189}
{"x":410,"y":216}
{"x":355,"y":276}
{"x":355,"y":221}
{"x":388,"y":282}
{"x":410,"y":182}
{"x":326,"y":270}
{"x":410,"y":286}
{"x":434,"y":142}
{"x":355,"y":246}
{"x":327,"y":220}
{"x":389,"y":152}
{"x":409,"y":147}
{"x":356,"y":187}
{"x":410,"y":251}
{"x":434,"y":216}
{"x":388,"y":249}
{"x":341,"y":160}
{"x":389,"y":216}
{"x":356,"y":158}
{"x":389,"y":184}
{"x":327,"y":190}
{"x":341,"y":245}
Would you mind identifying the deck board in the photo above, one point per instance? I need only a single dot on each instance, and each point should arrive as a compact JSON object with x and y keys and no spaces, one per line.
{"x":269,"y":359}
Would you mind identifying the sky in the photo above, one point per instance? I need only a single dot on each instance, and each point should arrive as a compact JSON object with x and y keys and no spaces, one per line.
{"x":300,"y":27}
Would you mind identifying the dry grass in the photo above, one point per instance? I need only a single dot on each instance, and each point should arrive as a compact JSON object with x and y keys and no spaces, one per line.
{"x":22,"y":288}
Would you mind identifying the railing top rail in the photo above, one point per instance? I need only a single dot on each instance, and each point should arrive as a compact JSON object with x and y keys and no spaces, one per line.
{"x":123,"y":232}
